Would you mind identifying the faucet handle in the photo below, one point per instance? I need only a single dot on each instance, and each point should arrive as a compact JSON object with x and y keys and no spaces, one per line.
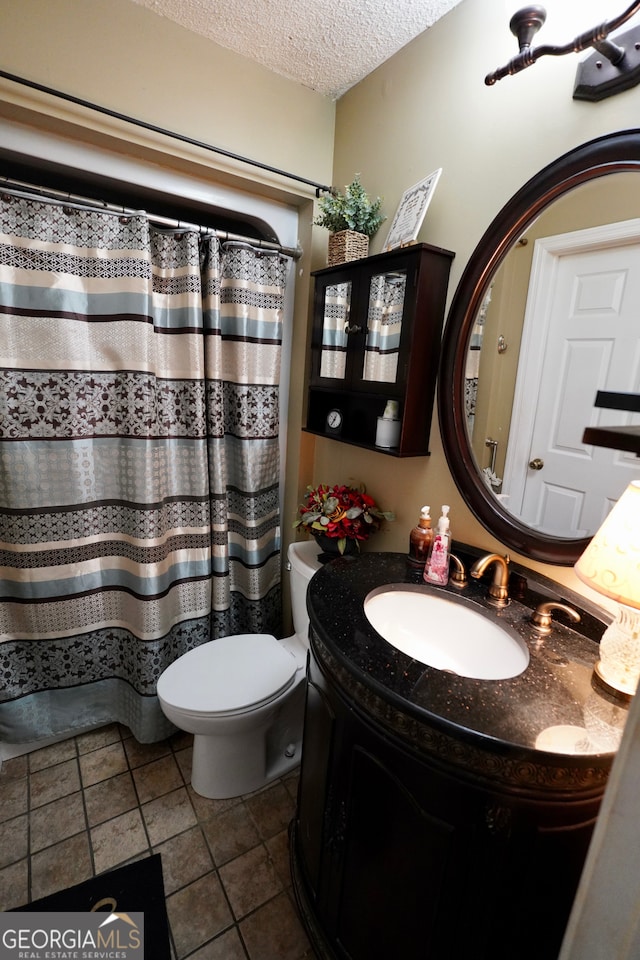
{"x":458,"y":577}
{"x":542,"y":616}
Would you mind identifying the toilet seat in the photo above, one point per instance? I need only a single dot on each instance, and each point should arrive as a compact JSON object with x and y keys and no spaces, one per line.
{"x":228,"y":676}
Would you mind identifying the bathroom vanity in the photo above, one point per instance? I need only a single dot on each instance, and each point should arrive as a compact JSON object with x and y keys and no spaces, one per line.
{"x":440,"y":816}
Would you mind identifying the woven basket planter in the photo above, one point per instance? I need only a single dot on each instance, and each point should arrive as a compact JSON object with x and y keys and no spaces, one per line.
{"x":347,"y":245}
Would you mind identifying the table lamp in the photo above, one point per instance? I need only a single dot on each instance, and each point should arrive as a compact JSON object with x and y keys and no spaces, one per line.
{"x":611,"y":565}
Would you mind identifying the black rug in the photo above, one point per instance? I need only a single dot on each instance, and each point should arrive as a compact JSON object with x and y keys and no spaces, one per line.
{"x":136,"y":888}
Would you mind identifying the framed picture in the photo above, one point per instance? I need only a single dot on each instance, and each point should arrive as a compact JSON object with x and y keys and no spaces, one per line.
{"x":410,"y":214}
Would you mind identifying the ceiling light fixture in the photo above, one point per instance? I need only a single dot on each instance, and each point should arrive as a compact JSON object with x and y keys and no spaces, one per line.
{"x":611,"y":68}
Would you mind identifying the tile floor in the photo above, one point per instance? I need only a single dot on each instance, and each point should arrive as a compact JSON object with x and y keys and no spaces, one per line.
{"x":86,"y":805}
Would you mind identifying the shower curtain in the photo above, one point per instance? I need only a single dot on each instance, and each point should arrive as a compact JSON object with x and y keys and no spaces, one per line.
{"x":139,"y":460}
{"x":472,"y":367}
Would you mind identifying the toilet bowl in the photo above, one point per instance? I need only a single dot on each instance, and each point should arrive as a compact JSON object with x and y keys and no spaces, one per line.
{"x":242,"y":698}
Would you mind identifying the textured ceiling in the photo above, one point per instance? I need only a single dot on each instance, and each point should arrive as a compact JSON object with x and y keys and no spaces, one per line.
{"x":328,"y":45}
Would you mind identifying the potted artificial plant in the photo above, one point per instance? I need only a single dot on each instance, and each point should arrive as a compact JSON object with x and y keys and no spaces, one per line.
{"x":351,"y":218}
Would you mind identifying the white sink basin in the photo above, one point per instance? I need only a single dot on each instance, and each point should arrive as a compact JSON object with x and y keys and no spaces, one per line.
{"x":446,"y":633}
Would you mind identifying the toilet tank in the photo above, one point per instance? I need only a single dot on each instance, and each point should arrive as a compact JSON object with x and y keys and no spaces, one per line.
{"x":303,"y":557}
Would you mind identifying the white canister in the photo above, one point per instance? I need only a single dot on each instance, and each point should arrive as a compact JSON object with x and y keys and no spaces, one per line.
{"x":387,"y":433}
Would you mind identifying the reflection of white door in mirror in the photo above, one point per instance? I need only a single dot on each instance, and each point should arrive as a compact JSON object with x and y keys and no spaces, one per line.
{"x":582,"y":305}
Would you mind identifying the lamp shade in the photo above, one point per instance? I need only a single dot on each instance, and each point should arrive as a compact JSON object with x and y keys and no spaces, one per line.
{"x":611,"y":562}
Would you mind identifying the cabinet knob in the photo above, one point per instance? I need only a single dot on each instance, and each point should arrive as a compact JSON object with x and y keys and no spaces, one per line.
{"x":536,"y":464}
{"x":352,"y":328}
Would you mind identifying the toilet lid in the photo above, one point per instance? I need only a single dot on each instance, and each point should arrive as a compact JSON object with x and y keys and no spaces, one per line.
{"x":228,"y":675}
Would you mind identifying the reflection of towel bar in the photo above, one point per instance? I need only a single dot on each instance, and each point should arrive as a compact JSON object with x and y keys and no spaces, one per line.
{"x":494,"y":450}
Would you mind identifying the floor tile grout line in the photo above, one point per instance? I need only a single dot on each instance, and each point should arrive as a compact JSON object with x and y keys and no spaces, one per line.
{"x":236,"y":921}
{"x":87,"y":786}
{"x":244,"y":944}
{"x":261,"y":824}
{"x":29,"y":864}
{"x":84,"y":807}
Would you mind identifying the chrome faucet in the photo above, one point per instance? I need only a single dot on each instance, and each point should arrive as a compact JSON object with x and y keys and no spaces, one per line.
{"x":499,"y":587}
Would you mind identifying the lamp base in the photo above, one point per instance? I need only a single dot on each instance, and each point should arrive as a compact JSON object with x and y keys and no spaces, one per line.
{"x":614,"y":691}
{"x":618,"y":668}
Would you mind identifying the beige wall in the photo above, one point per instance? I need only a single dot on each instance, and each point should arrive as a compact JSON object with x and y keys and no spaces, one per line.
{"x":128,"y":59}
{"x":124,"y":57}
{"x":426,"y":108}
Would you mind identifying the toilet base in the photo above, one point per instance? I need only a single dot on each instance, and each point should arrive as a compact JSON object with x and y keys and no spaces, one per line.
{"x":244,"y":757}
{"x":235,"y":783}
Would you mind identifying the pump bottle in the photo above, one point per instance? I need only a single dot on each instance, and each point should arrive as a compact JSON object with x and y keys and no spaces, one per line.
{"x":420,"y":539}
{"x":437,"y":566}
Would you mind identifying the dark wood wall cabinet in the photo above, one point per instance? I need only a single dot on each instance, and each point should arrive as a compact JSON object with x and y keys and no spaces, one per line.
{"x":377,"y":326}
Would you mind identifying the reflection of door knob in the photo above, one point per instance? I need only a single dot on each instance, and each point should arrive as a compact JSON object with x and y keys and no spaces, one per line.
{"x":536,"y":464}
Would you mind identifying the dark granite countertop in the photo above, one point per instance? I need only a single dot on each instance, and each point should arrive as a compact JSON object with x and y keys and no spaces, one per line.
{"x":552,"y":709}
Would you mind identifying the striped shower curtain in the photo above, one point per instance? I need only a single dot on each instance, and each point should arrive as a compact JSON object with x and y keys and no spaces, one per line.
{"x":139,"y":460}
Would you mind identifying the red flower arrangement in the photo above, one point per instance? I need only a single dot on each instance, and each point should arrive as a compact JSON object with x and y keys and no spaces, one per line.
{"x":341,"y":513}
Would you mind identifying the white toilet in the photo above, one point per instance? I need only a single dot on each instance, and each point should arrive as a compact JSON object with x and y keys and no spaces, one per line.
{"x":243,"y":698}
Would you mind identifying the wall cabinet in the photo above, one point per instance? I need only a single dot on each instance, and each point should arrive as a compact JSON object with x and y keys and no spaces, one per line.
{"x":377,"y":326}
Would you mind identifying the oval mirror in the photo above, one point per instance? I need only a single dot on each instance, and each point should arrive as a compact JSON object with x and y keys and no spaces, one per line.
{"x":533,"y":332}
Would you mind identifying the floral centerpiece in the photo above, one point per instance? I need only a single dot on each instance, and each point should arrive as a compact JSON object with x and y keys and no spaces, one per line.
{"x":342,"y":514}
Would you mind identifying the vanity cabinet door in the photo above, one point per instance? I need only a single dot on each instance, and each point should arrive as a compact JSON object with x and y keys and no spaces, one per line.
{"x":400,"y":857}
{"x":383,"y":845}
{"x":402,"y":863}
{"x":314,"y":789}
{"x":463,"y":872}
{"x":420,"y":872}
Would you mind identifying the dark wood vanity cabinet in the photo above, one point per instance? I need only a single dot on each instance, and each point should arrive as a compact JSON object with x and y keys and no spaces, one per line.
{"x":397,"y":855}
{"x":376,"y":337}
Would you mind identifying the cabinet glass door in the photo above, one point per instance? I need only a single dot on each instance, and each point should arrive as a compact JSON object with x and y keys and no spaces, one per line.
{"x":335,"y":330}
{"x":384,"y":326}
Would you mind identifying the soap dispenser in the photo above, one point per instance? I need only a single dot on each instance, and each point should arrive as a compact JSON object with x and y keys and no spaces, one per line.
{"x":437,"y":567}
{"x":420,"y":539}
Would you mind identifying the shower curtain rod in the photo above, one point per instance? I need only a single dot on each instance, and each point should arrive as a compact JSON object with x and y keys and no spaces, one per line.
{"x":19,"y":188}
{"x":319,"y":187}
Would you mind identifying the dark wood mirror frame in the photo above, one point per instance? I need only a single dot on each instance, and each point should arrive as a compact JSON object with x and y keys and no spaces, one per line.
{"x":613,"y":153}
